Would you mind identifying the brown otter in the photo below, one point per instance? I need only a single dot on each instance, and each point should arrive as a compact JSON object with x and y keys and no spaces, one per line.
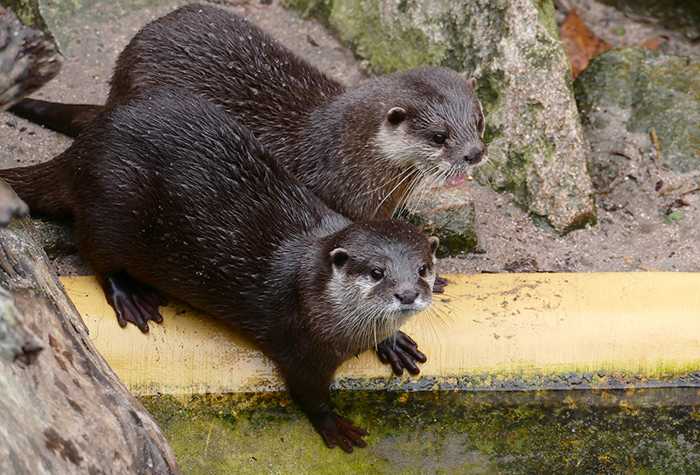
{"x":365,"y":151}
{"x":28,"y":59}
{"x":168,"y":194}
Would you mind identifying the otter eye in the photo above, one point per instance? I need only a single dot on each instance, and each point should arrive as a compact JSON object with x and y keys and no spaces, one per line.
{"x":377,"y":274}
{"x":423,"y":271}
{"x":439,"y":138}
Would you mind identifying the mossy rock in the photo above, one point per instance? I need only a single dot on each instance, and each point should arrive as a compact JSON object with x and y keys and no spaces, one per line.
{"x":679,"y":15}
{"x":536,"y":145}
{"x":643,"y":105}
{"x":450,"y":215}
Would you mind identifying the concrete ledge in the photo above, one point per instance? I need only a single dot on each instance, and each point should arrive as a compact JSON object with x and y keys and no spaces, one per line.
{"x":488,"y":332}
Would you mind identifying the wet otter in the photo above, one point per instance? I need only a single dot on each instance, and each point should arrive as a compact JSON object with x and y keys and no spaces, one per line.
{"x":168,"y":194}
{"x":28,"y":59}
{"x":365,"y":151}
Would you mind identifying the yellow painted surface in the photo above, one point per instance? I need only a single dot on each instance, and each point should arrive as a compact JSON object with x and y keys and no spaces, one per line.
{"x":645,"y":324}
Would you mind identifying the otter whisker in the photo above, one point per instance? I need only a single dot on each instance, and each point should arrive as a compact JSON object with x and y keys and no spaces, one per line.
{"x":416,"y":184}
{"x":427,"y":184}
{"x":379,"y":206}
{"x":388,"y":182}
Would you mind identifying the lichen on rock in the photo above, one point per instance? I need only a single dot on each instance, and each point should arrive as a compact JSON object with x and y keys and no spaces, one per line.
{"x":536,"y":145}
{"x":636,"y":105}
{"x":451,"y":216}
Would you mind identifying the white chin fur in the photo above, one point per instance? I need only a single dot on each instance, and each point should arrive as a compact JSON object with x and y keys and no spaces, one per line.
{"x":395,"y":144}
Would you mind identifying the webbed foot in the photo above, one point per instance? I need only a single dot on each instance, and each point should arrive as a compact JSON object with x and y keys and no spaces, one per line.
{"x":401,"y":352}
{"x":440,"y":284}
{"x":132,"y":301}
{"x":339,"y":431}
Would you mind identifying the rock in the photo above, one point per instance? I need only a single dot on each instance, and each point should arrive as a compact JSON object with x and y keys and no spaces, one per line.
{"x":28,"y":59}
{"x":55,"y":238}
{"x":536,"y":144}
{"x":679,"y":15}
{"x":44,"y":15}
{"x":525,"y":263}
{"x":637,"y":105}
{"x":449,"y":215}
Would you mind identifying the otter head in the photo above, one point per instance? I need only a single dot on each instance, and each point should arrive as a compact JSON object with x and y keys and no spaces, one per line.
{"x":436,"y":125}
{"x":381,"y":273}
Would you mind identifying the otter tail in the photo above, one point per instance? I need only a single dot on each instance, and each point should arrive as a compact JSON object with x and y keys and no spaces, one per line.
{"x":68,"y":119}
{"x":42,"y":187}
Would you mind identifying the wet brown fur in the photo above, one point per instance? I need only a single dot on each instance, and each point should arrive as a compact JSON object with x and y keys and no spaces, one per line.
{"x":169,"y":191}
{"x":324,"y":134}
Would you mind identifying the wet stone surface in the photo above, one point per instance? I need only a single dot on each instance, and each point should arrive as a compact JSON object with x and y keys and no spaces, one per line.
{"x":633,"y":431}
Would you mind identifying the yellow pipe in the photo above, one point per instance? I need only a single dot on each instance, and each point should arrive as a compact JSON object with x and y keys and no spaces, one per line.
{"x":488,"y":328}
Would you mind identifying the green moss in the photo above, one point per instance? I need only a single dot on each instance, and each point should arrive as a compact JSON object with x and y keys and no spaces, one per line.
{"x":654,"y":92}
{"x":490,"y":87}
{"x":28,"y":12}
{"x":387,"y":49}
{"x":515,"y":175}
{"x":610,"y":78}
{"x":454,"y":225}
{"x":546,"y":14}
{"x":673,"y":217}
{"x":682,"y":15}
{"x":642,"y":431}
{"x":319,"y":9}
{"x":456,"y":54}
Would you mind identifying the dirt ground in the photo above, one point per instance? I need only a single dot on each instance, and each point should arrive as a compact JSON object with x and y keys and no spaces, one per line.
{"x":633,"y":232}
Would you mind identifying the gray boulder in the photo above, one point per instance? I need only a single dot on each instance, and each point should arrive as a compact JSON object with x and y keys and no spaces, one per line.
{"x":536,"y":145}
{"x":637,"y":104}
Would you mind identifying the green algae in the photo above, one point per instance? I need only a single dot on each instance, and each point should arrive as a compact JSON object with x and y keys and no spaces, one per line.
{"x":629,"y":431}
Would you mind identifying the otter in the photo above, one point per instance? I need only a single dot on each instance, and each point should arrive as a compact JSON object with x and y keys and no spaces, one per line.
{"x":366,"y":151}
{"x":170,"y":197}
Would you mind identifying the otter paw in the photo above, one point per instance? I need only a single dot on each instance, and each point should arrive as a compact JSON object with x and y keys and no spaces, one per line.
{"x":339,"y":431}
{"x":133,"y":302}
{"x":401,"y":352}
{"x":439,"y":285}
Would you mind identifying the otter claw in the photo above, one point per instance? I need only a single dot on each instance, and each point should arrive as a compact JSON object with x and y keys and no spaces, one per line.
{"x":401,"y":352}
{"x":339,"y":431}
{"x":439,"y":285}
{"x":133,"y":302}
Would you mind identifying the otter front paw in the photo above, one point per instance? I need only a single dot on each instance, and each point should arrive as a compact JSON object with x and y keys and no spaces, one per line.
{"x":401,"y":352}
{"x":338,"y":431}
{"x":439,"y":285}
{"x":132,"y":301}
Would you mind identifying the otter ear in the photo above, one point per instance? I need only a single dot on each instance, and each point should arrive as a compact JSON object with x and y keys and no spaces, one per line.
{"x":471,"y":81}
{"x":339,"y":256}
{"x":434,"y":243}
{"x":396,"y":115}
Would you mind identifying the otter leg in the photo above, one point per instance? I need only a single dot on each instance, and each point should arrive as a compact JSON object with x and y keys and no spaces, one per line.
{"x":311,"y":391}
{"x":439,"y":285}
{"x":132,"y":301}
{"x":401,"y":352}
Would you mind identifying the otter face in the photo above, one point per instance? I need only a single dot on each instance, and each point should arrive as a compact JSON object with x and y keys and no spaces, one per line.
{"x":379,"y":280}
{"x":438,"y":129}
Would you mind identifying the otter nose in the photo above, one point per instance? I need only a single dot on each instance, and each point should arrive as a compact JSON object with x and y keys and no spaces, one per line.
{"x":474,"y":154}
{"x":406,"y":297}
